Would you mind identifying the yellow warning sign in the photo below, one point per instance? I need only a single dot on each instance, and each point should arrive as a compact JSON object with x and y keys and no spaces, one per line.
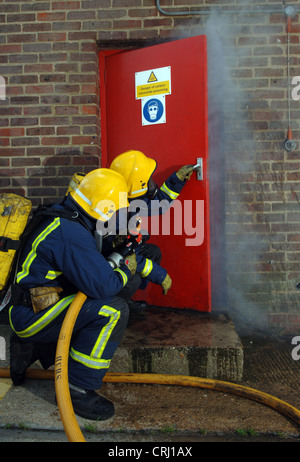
{"x":153,"y":82}
{"x":152,"y":77}
{"x":150,"y":89}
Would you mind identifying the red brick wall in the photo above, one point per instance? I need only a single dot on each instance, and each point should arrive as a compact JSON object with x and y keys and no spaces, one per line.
{"x":50,"y":124}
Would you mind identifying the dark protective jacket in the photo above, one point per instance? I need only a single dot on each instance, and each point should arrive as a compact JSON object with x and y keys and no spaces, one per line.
{"x":64,"y":253}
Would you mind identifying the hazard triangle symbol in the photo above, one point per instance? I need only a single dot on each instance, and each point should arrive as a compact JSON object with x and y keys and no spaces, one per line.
{"x":152,"y":77}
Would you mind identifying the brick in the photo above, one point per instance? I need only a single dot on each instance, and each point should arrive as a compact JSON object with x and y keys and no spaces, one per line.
{"x":12,"y":172}
{"x":90,"y":109}
{"x":66,"y":110}
{"x":25,"y":100}
{"x":27,"y":141}
{"x":6,"y":70}
{"x":4,"y":142}
{"x":94,"y":4}
{"x":21,"y":18}
{"x":38,"y":68}
{"x":55,"y":140}
{"x":40,"y":151}
{"x":10,"y":90}
{"x":72,"y":5}
{"x":81,"y":15}
{"x":72,"y":130}
{"x":66,"y":25}
{"x":23,"y":79}
{"x":36,"y":47}
{"x":10,"y":48}
{"x":66,"y":67}
{"x":86,"y":160}
{"x":24,"y":121}
{"x":54,"y":120}
{"x":21,"y":38}
{"x":37,"y":110}
{"x":53,"y":57}
{"x":51,"y":17}
{"x":38,"y":131}
{"x":38,"y":27}
{"x":39,"y":89}
{"x":82,"y":140}
{"x":52,"y":36}
{"x":23,"y":58}
{"x":12,"y":151}
{"x":41,"y":192}
{"x":130,"y":24}
{"x":35,"y":6}
{"x":65,"y":88}
{"x":55,"y":99}
{"x":86,"y":35}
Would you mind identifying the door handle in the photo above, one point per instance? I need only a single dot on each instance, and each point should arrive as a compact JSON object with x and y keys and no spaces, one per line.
{"x":199,"y":168}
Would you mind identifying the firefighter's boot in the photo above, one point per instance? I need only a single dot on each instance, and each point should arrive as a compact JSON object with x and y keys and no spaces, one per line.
{"x":22,"y":355}
{"x":90,"y":405}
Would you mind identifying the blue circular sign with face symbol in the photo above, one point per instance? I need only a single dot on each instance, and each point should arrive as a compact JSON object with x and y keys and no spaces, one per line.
{"x":153,"y":110}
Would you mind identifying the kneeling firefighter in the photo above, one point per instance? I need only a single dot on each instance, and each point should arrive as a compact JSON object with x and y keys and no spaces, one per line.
{"x":137,"y":170}
{"x":59,"y":259}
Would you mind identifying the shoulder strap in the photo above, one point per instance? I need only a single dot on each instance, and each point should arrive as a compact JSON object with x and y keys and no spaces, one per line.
{"x":41,"y":212}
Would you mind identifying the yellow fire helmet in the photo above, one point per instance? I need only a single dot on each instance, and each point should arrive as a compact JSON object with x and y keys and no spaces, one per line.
{"x":74,"y":182}
{"x":137,"y":169}
{"x":101,"y":193}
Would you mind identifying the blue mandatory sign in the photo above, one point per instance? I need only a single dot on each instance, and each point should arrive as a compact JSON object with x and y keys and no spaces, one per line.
{"x":153,"y":110}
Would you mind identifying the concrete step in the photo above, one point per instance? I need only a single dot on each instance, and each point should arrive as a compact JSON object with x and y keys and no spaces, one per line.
{"x":172,"y":341}
{"x":180,"y":342}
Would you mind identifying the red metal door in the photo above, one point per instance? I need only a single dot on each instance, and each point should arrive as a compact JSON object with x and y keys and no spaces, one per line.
{"x":174,"y":75}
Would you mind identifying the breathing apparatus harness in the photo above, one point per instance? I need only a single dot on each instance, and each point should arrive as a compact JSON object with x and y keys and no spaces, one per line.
{"x":16,"y":294}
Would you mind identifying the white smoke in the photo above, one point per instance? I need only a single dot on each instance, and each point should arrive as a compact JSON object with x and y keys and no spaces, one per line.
{"x":248,"y":274}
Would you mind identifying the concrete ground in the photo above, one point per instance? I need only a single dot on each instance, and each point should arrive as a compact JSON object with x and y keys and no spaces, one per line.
{"x":149,"y":412}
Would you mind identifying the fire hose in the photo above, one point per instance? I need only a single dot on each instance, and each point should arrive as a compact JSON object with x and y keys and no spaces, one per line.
{"x":71,"y":426}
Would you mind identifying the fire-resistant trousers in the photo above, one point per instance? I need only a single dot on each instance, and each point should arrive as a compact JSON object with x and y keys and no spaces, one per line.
{"x":97,"y":332}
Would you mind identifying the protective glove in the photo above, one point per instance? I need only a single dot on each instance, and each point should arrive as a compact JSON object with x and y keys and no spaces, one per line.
{"x":166,"y":284}
{"x":185,"y":172}
{"x":131,"y":263}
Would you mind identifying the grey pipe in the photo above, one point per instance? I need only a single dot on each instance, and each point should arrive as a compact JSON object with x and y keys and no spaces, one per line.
{"x":287,"y":10}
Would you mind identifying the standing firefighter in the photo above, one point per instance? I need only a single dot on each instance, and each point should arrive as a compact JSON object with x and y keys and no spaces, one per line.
{"x":59,"y":259}
{"x":138,"y":169}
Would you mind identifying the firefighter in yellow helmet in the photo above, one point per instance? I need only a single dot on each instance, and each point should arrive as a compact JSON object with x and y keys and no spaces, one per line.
{"x":137,"y":169}
{"x":59,"y":259}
